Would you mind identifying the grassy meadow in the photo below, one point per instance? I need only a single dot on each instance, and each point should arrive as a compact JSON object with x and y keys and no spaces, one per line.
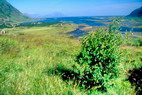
{"x":30,"y":58}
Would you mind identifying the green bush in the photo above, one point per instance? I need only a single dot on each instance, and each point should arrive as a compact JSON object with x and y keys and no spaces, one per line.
{"x":138,"y":42}
{"x":132,"y":40}
{"x":99,"y":58}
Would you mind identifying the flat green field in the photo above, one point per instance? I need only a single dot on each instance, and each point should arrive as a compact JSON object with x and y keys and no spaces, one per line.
{"x":29,"y":58}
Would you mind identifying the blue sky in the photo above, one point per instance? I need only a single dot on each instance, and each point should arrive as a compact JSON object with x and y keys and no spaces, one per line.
{"x":77,"y":7}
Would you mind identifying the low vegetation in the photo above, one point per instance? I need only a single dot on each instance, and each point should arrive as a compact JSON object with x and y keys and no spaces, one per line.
{"x":41,"y":61}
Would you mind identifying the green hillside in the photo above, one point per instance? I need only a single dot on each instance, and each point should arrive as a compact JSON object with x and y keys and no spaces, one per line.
{"x":136,"y":13}
{"x":9,"y":13}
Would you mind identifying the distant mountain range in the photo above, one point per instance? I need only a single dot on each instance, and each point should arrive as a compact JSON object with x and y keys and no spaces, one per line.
{"x":37,"y":16}
{"x":136,"y":13}
{"x":11,"y":14}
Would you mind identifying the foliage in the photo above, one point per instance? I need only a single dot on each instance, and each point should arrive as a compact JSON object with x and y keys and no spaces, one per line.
{"x":139,"y":41}
{"x":132,"y":40}
{"x":99,"y":58}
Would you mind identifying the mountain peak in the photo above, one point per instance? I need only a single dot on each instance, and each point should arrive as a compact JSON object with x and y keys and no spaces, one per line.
{"x":136,"y":13}
{"x":7,"y":11}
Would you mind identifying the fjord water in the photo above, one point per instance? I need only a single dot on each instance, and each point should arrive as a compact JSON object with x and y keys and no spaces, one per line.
{"x":76,"y":20}
{"x":94,"y":22}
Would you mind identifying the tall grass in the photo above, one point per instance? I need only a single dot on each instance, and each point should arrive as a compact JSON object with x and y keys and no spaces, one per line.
{"x":28,"y":63}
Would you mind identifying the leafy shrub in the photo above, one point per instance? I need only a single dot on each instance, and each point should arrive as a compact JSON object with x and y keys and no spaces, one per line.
{"x":99,"y":57}
{"x":132,"y":40}
{"x":139,"y":41}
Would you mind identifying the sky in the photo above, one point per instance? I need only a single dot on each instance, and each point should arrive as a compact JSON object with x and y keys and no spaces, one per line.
{"x":77,"y":7}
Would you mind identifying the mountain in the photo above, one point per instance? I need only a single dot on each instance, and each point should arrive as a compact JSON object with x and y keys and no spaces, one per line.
{"x":42,"y":16}
{"x":9,"y":13}
{"x":136,"y":13}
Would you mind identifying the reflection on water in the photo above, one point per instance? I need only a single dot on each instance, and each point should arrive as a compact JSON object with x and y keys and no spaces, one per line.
{"x":130,"y":29}
{"x":78,"y":33}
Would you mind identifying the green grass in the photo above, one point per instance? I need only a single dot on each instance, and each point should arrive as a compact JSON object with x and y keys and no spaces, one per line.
{"x":55,"y":29}
{"x":27,"y":68}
